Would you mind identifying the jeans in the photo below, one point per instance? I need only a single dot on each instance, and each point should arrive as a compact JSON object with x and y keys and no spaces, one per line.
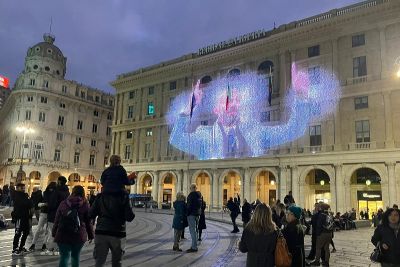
{"x":50,"y":240}
{"x":323,"y":242}
{"x":21,"y":228}
{"x":68,"y":251}
{"x":193,"y":222}
{"x":41,"y":228}
{"x":103,"y":243}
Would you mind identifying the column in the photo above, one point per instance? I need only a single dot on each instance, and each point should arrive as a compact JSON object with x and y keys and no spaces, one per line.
{"x":215,"y":190}
{"x":136,"y":146}
{"x":160,"y":191}
{"x":121,"y":105}
{"x":186,"y":182}
{"x":282,"y":182}
{"x":340,"y":199}
{"x":333,"y":190}
{"x":392,"y":183}
{"x":347,"y":195}
{"x":246,"y":185}
{"x":389,"y":142}
{"x":179,"y":181}
{"x":118,"y":144}
{"x":114,"y":143}
{"x":154,"y":189}
{"x":116,"y":109}
{"x":295,"y":183}
{"x":301,"y":201}
{"x":282,"y":72}
{"x":384,"y":66}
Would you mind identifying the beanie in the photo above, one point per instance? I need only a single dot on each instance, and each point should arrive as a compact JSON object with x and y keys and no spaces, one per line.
{"x":296,"y":211}
{"x":62,"y":180}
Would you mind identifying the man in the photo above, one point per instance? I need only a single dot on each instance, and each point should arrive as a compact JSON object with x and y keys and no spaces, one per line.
{"x":193,"y":215}
{"x":21,"y":216}
{"x":314,"y":219}
{"x":395,"y":206}
{"x":112,"y":212}
{"x":36,"y":198}
{"x":56,"y":197}
{"x":289,"y":200}
{"x":234,"y":209}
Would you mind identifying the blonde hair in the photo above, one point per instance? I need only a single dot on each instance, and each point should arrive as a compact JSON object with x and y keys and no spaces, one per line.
{"x":180,"y":196}
{"x":261,"y":221}
{"x":193,"y":187}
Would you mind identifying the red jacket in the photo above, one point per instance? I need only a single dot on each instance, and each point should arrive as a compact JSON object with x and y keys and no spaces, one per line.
{"x":86,"y":228}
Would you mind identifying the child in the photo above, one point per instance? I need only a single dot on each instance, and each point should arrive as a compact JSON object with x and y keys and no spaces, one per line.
{"x":114,"y":178}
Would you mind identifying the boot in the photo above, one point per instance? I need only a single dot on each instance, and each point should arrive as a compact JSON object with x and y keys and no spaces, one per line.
{"x":176,"y":248}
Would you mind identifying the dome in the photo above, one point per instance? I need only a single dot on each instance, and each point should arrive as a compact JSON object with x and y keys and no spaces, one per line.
{"x":46,"y":48}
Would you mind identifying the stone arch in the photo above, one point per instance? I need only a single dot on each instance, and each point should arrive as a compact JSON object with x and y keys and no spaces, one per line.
{"x":143,"y":178}
{"x":233,"y":73}
{"x":167,"y":184}
{"x":265,"y":66}
{"x":52,"y":176}
{"x":205,"y":80}
{"x":317,"y":183}
{"x":225,"y":172}
{"x":328,"y":169}
{"x":382,"y":173}
{"x":264,"y":185}
{"x":206,"y":188}
{"x":231,"y":187}
{"x":196,"y":173}
{"x":257,"y":171}
{"x":74,"y":178}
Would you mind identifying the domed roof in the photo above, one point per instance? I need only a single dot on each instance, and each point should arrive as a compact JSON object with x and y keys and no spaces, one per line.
{"x":46,"y":49}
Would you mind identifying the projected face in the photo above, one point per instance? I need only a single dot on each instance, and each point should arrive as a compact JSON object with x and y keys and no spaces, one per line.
{"x":224,"y":119}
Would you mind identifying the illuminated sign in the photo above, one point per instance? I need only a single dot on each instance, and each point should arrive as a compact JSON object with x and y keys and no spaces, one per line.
{"x":369,"y":195}
{"x":4,"y":81}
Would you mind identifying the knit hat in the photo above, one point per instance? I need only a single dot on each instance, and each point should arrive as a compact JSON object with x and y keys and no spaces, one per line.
{"x":296,"y":211}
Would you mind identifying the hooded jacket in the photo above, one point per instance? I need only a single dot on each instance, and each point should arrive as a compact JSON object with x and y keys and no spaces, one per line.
{"x":55,"y":198}
{"x":22,"y":206}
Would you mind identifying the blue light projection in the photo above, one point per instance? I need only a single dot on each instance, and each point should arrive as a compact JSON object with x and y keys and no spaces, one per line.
{"x":223,"y":118}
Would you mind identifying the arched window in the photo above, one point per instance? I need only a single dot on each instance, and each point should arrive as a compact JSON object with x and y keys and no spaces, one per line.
{"x":266,"y":67}
{"x":205,"y":79}
{"x":233,"y":73}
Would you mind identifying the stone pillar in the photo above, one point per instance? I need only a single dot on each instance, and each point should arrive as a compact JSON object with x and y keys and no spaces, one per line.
{"x":340,"y":193}
{"x":335,"y":67}
{"x":118,"y":144}
{"x":333,"y":190}
{"x":154,"y":189}
{"x":384,"y":65}
{"x":179,"y":181}
{"x":160,"y":191}
{"x":282,"y":72}
{"x":385,"y":192}
{"x":295,"y":183}
{"x":347,"y":195}
{"x":215,"y":191}
{"x":186,"y":182}
{"x":246,"y":185}
{"x":301,"y":200}
{"x":391,"y":167}
{"x":136,"y":144}
{"x":282,"y":182}
{"x":121,"y":105}
{"x":389,"y":142}
{"x":134,"y":188}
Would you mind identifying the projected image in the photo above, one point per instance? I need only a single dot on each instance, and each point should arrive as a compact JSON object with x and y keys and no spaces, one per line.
{"x":223,"y":118}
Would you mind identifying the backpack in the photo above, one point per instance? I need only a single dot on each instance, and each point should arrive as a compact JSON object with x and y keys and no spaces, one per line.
{"x":70,"y":222}
{"x":329,"y":223}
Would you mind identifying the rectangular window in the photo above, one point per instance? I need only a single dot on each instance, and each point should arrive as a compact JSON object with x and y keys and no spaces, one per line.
{"x":109,"y":116}
{"x":147,"y":151}
{"x":57,"y":155}
{"x":108,"y":131}
{"x":313,"y":51}
{"x":150,"y":108}
{"x":362,"y":131}
{"x":96,"y":113}
{"x":62,"y":105}
{"x":130,"y":112}
{"x":92,"y":160}
{"x":107,"y":145}
{"x":170,"y":149}
{"x":129,"y":134}
{"x":172,"y":85}
{"x":46,"y":84}
{"x":265,"y":116}
{"x":77,"y":156}
{"x":42,"y":116}
{"x":359,"y":66}
{"x":361,"y":102}
{"x":97,"y":99}
{"x":83,"y":95}
{"x":38,"y":151}
{"x":110,"y":102}
{"x":93,"y":142}
{"x":80,"y":125}
{"x":105,"y":161}
{"x":60,"y":120}
{"x":28,"y":114}
{"x":171,"y":101}
{"x":151,"y":90}
{"x":94,"y":128}
{"x":314,"y":75}
{"x":60,"y":136}
{"x":149,"y":132}
{"x":204,"y":123}
{"x":78,"y":140}
{"x":30,"y":98}
{"x":127,"y":152}
{"x":43,"y":99}
{"x":32,"y":82}
{"x":358,"y":40}
{"x":64,"y":89}
{"x":131,"y":94}
{"x":315,"y":135}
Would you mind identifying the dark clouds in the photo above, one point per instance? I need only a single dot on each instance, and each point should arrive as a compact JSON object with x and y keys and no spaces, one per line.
{"x":104,"y":38}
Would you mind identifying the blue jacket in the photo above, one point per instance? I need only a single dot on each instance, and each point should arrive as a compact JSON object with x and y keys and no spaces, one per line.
{"x":114,"y":178}
{"x":180,"y":215}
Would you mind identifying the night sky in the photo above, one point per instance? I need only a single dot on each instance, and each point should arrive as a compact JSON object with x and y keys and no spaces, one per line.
{"x":104,"y":38}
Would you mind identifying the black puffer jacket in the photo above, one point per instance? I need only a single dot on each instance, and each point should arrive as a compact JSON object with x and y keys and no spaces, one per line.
{"x":22,"y":206}
{"x":55,"y":198}
{"x":112,"y":210}
{"x":36,"y":198}
{"x":194,"y":203}
{"x":386,"y":235}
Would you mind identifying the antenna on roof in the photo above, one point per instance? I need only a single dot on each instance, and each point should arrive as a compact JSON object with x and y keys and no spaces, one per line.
{"x":51,"y":23}
{"x":274,"y":25}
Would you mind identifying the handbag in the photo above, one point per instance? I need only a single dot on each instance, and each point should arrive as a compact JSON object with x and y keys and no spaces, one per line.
{"x":283,"y":258}
{"x":376,"y":255}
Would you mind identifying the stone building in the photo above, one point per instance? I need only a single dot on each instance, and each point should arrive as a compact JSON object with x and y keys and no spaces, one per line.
{"x":347,"y":159}
{"x":65,"y":127}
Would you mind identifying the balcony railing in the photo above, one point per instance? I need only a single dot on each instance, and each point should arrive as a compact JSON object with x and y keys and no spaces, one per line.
{"x":362,"y":146}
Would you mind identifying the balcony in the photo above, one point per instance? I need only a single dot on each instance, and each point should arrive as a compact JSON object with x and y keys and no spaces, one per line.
{"x":315,"y":149}
{"x":360,"y":80}
{"x":362,"y":146}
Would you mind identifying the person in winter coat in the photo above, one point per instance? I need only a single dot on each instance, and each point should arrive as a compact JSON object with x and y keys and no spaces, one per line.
{"x":234,"y":209}
{"x":178,"y":222}
{"x":259,"y":238}
{"x":21,"y":216}
{"x":36,"y":198}
{"x":112,"y":212}
{"x":193,"y":215}
{"x":43,"y":218}
{"x":202,"y":219}
{"x":387,"y":236}
{"x":114,"y":178}
{"x":57,"y":196}
{"x":278,"y":215}
{"x":294,"y":235}
{"x":70,"y":241}
{"x":314,"y":219}
{"x":246,"y":212}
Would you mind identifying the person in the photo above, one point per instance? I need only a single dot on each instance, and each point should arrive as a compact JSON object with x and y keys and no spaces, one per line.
{"x":314,"y":219}
{"x":43,"y":218}
{"x":362,"y":215}
{"x":289,"y":200}
{"x":234,"y":209}
{"x":69,"y":237}
{"x":395,"y":206}
{"x":36,"y":198}
{"x":6,"y":195}
{"x":324,"y":235}
{"x":294,"y":235}
{"x":193,"y":215}
{"x":202,"y":219}
{"x":179,"y":219}
{"x":278,"y":214}
{"x":21,"y":216}
{"x":92,"y":197}
{"x":3,"y":222}
{"x":387,"y":236}
{"x":58,"y":195}
{"x":259,"y":238}
{"x":112,"y":212}
{"x":246,"y":212}
{"x":114,"y":178}
{"x":12,"y":194}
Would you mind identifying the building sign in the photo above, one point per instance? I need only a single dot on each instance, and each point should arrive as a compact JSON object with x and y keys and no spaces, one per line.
{"x":233,"y":42}
{"x":369,"y":195}
{"x":4,"y":81}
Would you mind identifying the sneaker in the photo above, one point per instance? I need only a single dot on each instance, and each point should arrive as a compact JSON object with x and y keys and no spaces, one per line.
{"x":199,"y":239}
{"x":32,"y":248}
{"x":190,"y":250}
{"x":23,"y":250}
{"x":16,"y":252}
{"x":314,"y":263}
{"x":44,"y":247}
{"x":47,"y":252}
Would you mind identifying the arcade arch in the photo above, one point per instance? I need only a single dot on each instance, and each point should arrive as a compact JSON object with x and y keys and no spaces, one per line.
{"x":146,"y":184}
{"x":53,"y":176}
{"x":231,"y":186}
{"x":266,"y":187}
{"x":203,"y":182}
{"x":168,"y":189}
{"x":317,"y":188}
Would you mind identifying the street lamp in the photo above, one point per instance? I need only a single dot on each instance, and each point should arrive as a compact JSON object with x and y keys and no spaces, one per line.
{"x":322,"y":182}
{"x":25,"y":130}
{"x":368,"y":182}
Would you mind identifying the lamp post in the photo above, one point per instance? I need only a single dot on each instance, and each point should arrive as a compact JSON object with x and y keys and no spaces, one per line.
{"x":25,"y":130}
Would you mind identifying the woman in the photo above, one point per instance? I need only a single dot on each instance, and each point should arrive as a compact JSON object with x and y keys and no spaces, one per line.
{"x":278,"y":215}
{"x":202,"y":221}
{"x":70,"y":242}
{"x":178,"y":222}
{"x":294,"y":235}
{"x":387,"y":236}
{"x":246,"y":212}
{"x":259,"y":238}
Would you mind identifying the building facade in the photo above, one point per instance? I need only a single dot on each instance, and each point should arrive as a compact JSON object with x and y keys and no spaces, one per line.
{"x":4,"y":93}
{"x":64,"y":127}
{"x":347,"y":159}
